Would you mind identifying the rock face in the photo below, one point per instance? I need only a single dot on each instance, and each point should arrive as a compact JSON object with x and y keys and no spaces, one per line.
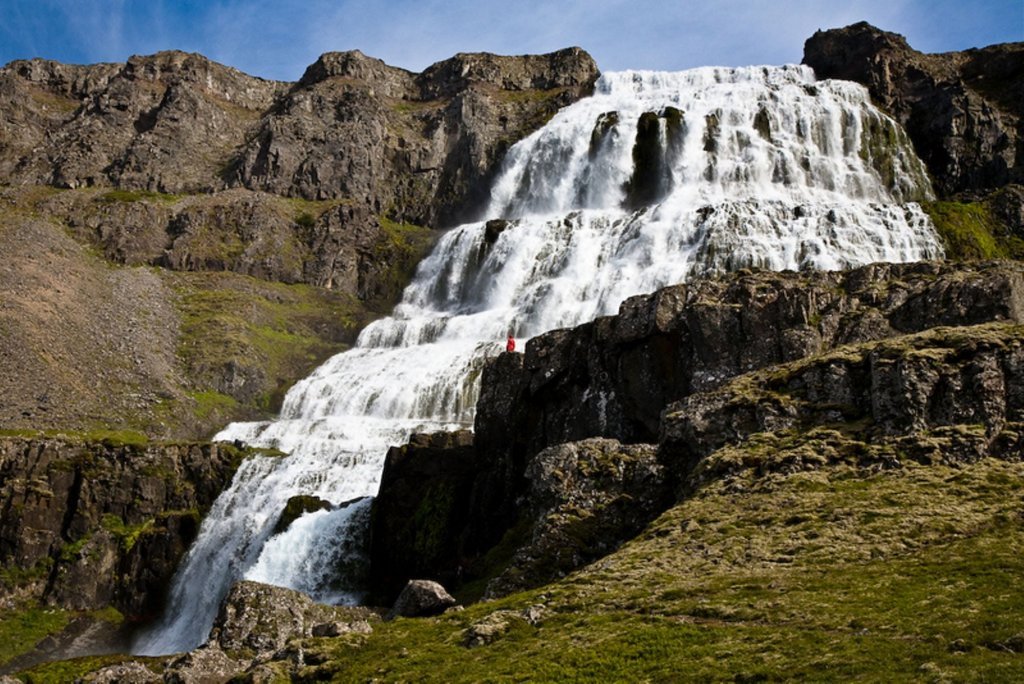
{"x":964,"y":111}
{"x":414,"y":146}
{"x":583,"y":500}
{"x":614,"y":376}
{"x":91,"y":524}
{"x":423,"y":144}
{"x":420,"y":511}
{"x":947,"y":395}
{"x":551,"y":505}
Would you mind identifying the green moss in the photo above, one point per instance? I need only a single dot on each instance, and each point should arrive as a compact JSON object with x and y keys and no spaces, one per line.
{"x":210,"y":404}
{"x":272,"y":334}
{"x":137,"y":196}
{"x":21,"y":630}
{"x":969,"y":231}
{"x":126,"y":534}
{"x":65,"y":671}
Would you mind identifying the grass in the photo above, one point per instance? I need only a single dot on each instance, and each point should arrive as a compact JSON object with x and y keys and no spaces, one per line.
{"x":21,"y":630}
{"x":270,"y":334}
{"x":827,"y":575}
{"x":137,"y":196}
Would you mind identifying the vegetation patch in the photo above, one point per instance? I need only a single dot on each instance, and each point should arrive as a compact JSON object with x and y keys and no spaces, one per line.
{"x":970,"y":231}
{"x":244,"y":341}
{"x":21,"y":630}
{"x":137,"y":196}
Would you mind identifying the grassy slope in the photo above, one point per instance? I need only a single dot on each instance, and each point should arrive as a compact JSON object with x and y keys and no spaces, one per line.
{"x":834,"y":574}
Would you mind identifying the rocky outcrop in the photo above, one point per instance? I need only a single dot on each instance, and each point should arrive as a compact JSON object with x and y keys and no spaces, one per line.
{"x":533,"y":507}
{"x":582,"y":501}
{"x":260,"y":619}
{"x":614,"y":376}
{"x":420,"y":511}
{"x":964,"y":111}
{"x":416,"y":147}
{"x":255,"y":636}
{"x":947,"y":395}
{"x":88,"y":524}
{"x":168,"y":122}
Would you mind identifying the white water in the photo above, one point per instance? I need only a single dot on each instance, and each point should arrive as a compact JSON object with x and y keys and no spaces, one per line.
{"x":805,"y":197}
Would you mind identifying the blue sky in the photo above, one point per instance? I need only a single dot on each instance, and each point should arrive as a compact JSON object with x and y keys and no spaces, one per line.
{"x":279,"y":39}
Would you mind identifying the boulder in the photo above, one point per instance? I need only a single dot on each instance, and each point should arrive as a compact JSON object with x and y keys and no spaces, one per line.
{"x":259,"y":618}
{"x":421,"y":598}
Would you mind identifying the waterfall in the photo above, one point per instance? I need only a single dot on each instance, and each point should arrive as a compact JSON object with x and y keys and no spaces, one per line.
{"x":656,"y":178}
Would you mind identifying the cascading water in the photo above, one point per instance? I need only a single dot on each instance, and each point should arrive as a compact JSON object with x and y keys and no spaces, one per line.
{"x":656,"y":178}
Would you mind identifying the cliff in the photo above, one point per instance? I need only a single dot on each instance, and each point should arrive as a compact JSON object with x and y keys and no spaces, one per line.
{"x":614,"y":378}
{"x":91,"y":521}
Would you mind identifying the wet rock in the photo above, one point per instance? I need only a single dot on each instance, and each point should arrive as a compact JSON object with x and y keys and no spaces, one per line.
{"x":297,"y":507}
{"x":421,"y":598}
{"x":420,"y":510}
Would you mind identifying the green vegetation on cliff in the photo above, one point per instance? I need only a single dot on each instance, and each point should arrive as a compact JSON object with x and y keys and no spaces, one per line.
{"x":970,"y":231}
{"x":267,"y":336}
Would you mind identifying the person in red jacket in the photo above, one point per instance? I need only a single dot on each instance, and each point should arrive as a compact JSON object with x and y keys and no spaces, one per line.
{"x":511,"y":345}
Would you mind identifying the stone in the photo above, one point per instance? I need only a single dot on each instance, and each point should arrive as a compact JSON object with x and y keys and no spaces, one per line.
{"x":121,"y":673}
{"x":421,"y":598}
{"x":261,"y":618}
{"x":205,"y":665}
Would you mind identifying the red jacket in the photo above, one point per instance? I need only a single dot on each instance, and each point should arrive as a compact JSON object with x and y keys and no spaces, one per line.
{"x":511,"y":346}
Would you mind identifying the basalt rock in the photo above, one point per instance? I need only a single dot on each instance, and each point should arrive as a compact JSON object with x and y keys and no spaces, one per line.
{"x":420,"y":512}
{"x":613,"y":377}
{"x":964,"y":111}
{"x":92,"y":524}
{"x":947,"y":395}
{"x":583,"y":500}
